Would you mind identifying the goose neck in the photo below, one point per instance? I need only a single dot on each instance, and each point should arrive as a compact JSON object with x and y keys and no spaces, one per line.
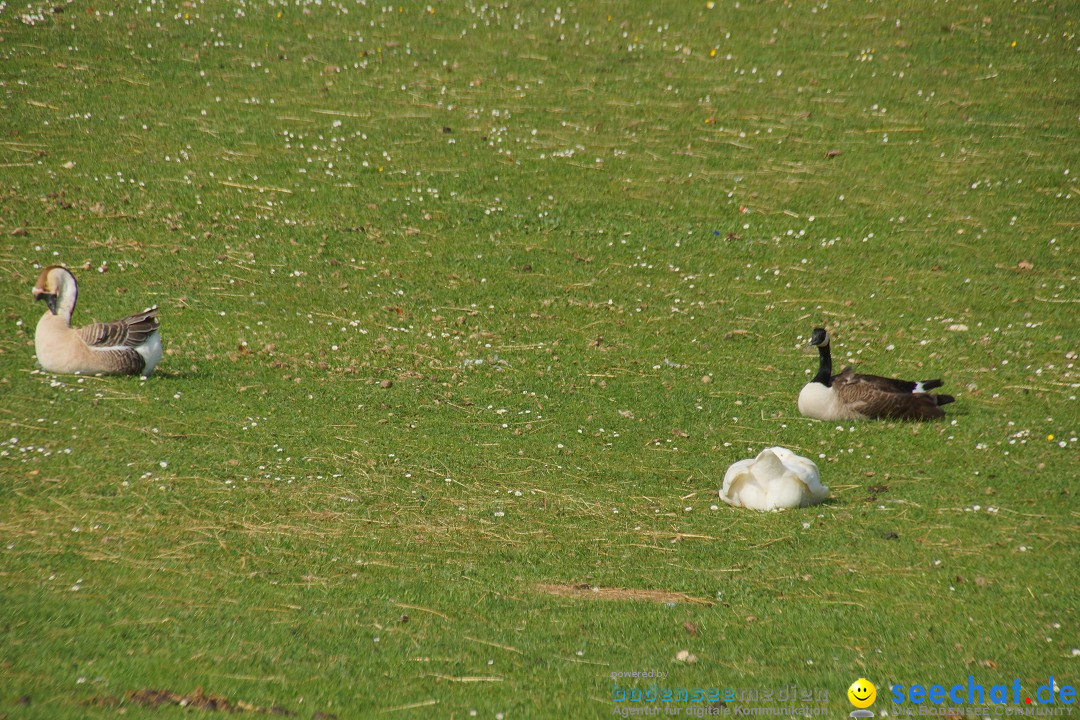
{"x":824,"y":374}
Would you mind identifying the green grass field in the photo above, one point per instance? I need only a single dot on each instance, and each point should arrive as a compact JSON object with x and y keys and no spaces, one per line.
{"x":467,"y":307}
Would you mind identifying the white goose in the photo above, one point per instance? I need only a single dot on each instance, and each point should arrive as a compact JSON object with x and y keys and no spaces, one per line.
{"x":124,"y":347}
{"x":851,"y":396}
{"x":774,"y":480}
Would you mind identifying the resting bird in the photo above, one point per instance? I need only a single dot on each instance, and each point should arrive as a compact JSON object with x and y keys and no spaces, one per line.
{"x":776,"y":479}
{"x":850,"y":396}
{"x":131,"y":346}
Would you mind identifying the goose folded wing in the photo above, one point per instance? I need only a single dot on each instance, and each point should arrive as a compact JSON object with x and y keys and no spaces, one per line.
{"x":128,"y":332}
{"x":121,"y":361}
{"x":893,"y":384}
{"x":888,"y":384}
{"x":869,"y":399}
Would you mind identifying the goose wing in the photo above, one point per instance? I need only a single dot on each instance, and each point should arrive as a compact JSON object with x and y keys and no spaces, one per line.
{"x":875,"y":400}
{"x":129,"y":332}
{"x":897,"y":385}
{"x":888,"y":384}
{"x":119,"y":361}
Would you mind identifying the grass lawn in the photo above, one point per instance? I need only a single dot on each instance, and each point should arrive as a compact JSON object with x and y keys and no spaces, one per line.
{"x":467,"y":307}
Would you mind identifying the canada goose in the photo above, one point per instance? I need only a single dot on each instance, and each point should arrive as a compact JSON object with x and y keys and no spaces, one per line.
{"x":777,"y":478}
{"x":124,"y":347}
{"x":849,"y":396}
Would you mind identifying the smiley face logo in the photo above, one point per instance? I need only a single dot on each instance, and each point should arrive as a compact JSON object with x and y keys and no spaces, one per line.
{"x":862,"y":693}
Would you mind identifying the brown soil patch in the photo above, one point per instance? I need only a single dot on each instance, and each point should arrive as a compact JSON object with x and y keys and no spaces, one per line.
{"x":153,"y":699}
{"x":591,"y":592}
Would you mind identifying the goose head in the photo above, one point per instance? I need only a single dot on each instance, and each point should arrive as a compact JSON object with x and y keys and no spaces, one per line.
{"x":768,"y":465}
{"x":57,"y":287}
{"x":820,"y":339}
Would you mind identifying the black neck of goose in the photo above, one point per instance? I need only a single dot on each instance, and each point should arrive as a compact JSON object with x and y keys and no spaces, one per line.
{"x":824,"y":373}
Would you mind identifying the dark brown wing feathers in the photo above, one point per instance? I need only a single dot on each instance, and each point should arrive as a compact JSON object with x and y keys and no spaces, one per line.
{"x":125,"y":361}
{"x":129,"y":332}
{"x":890,"y":385}
{"x":894,"y":384}
{"x":868,"y":395}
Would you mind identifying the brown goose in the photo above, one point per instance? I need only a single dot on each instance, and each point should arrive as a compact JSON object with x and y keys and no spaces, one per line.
{"x":851,"y":396}
{"x":131,"y":346}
